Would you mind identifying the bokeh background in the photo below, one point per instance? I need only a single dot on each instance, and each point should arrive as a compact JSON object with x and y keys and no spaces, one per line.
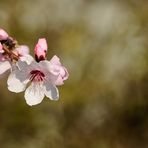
{"x":104,"y":103}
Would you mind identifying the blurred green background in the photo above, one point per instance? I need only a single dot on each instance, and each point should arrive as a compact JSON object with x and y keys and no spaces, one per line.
{"x":104,"y":103}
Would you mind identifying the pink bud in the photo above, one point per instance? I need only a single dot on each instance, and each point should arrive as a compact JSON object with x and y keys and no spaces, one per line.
{"x":3,"y":34}
{"x":40,"y":50}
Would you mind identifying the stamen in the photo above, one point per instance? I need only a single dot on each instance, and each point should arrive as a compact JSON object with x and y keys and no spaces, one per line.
{"x":36,"y":75}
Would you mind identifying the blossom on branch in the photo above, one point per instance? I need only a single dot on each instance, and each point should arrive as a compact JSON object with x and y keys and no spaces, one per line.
{"x":41,"y":74}
{"x":11,"y":52}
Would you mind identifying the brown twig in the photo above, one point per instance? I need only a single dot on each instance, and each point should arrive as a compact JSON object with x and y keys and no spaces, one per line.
{"x":10,"y":53}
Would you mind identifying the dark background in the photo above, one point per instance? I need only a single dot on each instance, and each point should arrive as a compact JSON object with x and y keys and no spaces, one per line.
{"x":104,"y":103}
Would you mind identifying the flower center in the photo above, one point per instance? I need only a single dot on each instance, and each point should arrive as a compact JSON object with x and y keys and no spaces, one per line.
{"x":36,"y":75}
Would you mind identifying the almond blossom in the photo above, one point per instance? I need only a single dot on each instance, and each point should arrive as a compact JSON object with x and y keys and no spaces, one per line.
{"x":59,"y":70}
{"x":11,"y":52}
{"x":42,"y":75}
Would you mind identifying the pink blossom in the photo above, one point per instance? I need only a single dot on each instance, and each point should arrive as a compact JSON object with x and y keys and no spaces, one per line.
{"x":40,"y":50}
{"x":23,"y":53}
{"x":42,"y":75}
{"x":42,"y":81}
{"x":9,"y":54}
{"x":59,"y":70}
{"x":3,"y":34}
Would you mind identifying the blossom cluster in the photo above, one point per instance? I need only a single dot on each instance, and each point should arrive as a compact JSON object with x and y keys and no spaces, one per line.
{"x":37,"y":76}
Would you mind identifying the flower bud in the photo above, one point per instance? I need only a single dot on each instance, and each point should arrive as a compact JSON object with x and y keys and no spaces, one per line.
{"x":40,"y":50}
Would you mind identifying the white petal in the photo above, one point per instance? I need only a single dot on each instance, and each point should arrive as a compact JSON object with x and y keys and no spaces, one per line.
{"x":51,"y":91}
{"x":4,"y":66}
{"x":45,"y":64}
{"x":14,"y":67}
{"x":34,"y":94}
{"x":23,"y":49}
{"x":22,"y":65}
{"x":55,"y":60}
{"x":14,"y":84}
{"x":28,"y":58}
{"x":53,"y":69}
